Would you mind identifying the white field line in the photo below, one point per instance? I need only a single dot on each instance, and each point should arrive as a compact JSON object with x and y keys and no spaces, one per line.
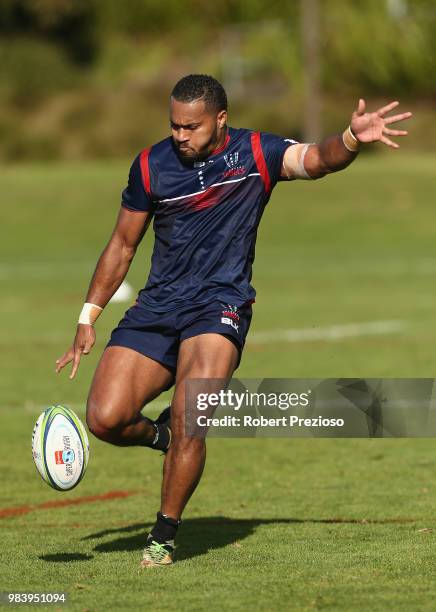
{"x":329,"y":333}
{"x":308,"y":334}
{"x":45,"y":269}
{"x":53,"y":269}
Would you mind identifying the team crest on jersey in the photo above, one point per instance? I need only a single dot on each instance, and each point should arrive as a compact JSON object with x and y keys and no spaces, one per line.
{"x":232,"y":159}
{"x":233,"y":165}
{"x":229,"y":316}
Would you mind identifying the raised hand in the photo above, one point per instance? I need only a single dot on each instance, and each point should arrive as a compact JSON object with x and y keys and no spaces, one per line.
{"x":372,"y":127}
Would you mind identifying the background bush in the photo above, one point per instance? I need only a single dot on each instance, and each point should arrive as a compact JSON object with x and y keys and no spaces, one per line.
{"x":91,"y":78}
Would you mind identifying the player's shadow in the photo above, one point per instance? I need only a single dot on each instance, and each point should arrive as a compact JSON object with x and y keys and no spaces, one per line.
{"x":200,"y":535}
{"x":197,"y":537}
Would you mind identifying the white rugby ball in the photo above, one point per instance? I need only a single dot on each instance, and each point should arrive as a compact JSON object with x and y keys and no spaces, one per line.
{"x":60,"y":447}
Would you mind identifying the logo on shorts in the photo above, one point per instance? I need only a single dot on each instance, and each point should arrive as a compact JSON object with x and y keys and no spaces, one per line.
{"x":229,"y":316}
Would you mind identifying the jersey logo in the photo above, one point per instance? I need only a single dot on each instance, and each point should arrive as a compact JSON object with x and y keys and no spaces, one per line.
{"x":231,"y":159}
{"x":232,"y":163}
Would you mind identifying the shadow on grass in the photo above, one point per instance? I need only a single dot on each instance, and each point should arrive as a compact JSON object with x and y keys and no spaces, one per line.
{"x":200,"y":535}
{"x":66,"y":557}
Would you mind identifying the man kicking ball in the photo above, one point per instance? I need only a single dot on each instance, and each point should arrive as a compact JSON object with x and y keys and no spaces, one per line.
{"x":206,"y":186}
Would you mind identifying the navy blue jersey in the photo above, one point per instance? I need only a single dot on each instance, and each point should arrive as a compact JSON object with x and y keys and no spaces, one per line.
{"x":205,"y":217}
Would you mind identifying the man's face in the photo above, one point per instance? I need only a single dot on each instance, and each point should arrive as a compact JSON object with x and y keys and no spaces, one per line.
{"x":196,"y":130}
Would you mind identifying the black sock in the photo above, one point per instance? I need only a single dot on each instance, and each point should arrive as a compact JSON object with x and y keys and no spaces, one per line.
{"x":165,"y":529}
{"x":161,"y":438}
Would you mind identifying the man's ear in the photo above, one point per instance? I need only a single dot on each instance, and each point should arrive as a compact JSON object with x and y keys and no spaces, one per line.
{"x":222,"y":118}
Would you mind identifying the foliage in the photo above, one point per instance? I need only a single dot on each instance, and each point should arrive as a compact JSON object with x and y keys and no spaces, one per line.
{"x":92,"y":65}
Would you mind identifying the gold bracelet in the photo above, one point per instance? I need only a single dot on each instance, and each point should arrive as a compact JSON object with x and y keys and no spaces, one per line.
{"x":350,"y":141}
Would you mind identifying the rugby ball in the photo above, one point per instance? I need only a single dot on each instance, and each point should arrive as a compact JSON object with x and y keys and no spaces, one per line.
{"x":60,"y":447}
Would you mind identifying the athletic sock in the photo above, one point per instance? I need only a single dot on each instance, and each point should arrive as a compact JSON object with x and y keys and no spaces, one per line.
{"x":162,"y":436}
{"x":165,"y":417}
{"x":164,"y":530}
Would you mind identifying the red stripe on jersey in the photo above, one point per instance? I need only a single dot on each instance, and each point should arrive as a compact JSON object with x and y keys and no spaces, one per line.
{"x":223,"y":146}
{"x":259,"y":158}
{"x":145,"y":172}
{"x":210,"y":197}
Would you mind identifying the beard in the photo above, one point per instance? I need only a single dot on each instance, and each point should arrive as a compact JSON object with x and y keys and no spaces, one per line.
{"x":190,"y":156}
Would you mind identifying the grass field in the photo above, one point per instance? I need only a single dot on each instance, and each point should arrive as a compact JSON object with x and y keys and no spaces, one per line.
{"x":276,"y":524}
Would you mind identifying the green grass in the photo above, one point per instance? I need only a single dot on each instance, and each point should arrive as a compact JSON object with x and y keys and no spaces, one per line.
{"x":300,"y":524}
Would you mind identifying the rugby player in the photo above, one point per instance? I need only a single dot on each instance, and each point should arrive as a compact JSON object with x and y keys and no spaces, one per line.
{"x":206,"y":187}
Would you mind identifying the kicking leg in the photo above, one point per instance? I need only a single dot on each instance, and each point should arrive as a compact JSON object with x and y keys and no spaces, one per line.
{"x":124,"y":381}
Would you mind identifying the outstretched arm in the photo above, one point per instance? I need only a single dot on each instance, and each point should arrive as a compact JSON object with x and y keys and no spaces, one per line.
{"x":337,"y":152}
{"x":110,"y":271}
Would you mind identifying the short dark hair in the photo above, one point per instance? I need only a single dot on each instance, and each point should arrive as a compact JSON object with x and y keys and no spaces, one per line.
{"x":201,"y":87}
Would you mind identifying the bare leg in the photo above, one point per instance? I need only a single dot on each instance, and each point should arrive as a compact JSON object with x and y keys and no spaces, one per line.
{"x":123,"y":382}
{"x":203,"y":356}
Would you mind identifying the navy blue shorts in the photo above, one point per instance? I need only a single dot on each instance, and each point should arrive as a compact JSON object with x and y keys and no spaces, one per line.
{"x":158,"y":335}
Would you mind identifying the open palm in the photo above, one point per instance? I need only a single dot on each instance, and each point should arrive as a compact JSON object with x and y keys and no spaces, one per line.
{"x":372,"y":127}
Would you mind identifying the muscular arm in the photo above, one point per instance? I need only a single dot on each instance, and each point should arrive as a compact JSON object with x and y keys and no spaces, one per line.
{"x":110,"y":271}
{"x":117,"y":256}
{"x":317,"y":160}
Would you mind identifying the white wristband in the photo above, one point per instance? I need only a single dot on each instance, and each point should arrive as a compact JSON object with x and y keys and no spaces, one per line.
{"x":89,"y":314}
